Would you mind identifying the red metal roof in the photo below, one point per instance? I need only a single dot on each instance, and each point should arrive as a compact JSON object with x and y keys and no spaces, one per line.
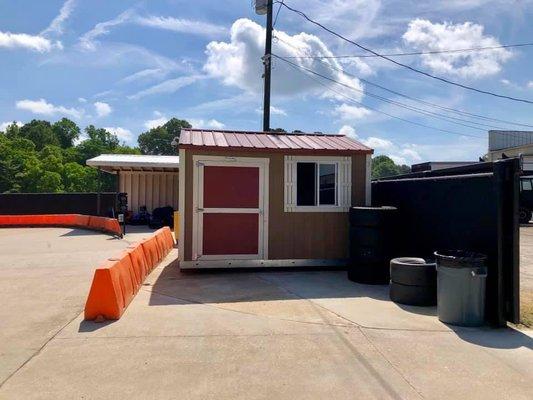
{"x":270,"y":141}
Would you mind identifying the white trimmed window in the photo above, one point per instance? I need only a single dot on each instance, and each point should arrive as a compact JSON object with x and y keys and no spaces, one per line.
{"x":317,"y":184}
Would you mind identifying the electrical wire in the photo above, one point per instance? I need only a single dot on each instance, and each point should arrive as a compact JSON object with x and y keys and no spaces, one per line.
{"x":447,"y":109}
{"x":303,"y":15}
{"x":300,"y":68}
{"x":419,"y":53}
{"x":277,"y":14}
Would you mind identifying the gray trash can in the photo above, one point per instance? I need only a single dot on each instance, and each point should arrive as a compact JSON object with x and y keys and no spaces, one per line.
{"x":461,"y":277}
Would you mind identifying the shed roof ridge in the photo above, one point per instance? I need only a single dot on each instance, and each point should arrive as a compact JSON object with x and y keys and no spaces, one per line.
{"x":275,"y":133}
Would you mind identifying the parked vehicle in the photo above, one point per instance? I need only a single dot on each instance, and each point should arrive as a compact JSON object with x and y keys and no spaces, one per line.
{"x":526,"y":199}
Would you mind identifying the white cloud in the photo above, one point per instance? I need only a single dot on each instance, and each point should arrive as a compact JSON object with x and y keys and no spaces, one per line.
{"x":4,"y":125}
{"x":378,"y":143}
{"x":208,"y":124}
{"x":530,"y":85}
{"x":82,"y":99}
{"x":102,"y":109}
{"x":273,"y":111}
{"x":348,"y":131}
{"x":350,"y":113}
{"x":56,"y":26}
{"x":88,"y":40}
{"x":182,"y":25}
{"x":427,"y":36}
{"x":154,"y":123}
{"x":36,"y":43}
{"x":42,"y":107}
{"x":405,"y":153}
{"x":238,"y":62}
{"x":168,"y":86}
{"x":505,"y":81}
{"x":123,"y":134}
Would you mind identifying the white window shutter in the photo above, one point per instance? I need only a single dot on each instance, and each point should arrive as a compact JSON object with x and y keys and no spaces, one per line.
{"x":345,"y":182}
{"x":290,"y":179}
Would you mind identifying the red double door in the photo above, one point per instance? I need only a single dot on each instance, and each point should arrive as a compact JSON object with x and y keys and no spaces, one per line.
{"x":230,"y":218}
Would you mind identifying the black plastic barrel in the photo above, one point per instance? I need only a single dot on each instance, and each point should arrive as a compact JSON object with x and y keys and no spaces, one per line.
{"x":372,"y":240}
{"x":461,"y":277}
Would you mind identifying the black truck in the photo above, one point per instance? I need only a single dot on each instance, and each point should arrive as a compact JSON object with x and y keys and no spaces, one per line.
{"x":526,"y":199}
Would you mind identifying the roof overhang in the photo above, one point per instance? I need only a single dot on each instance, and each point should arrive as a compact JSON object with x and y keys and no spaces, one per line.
{"x":114,"y":163}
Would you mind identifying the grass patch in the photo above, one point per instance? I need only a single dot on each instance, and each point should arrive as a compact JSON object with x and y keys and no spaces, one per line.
{"x":526,"y":308}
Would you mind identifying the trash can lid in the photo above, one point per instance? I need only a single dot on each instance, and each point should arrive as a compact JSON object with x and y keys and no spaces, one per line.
{"x":460,"y":258}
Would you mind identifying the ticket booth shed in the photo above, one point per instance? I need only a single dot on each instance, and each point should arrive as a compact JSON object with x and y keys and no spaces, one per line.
{"x":255,"y":199}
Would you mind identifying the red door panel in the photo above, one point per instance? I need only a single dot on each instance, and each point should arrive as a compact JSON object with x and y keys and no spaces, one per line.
{"x":230,"y":233}
{"x":231,"y":187}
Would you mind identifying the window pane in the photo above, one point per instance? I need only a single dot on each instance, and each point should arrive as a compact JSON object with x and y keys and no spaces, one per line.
{"x":526,"y":184}
{"x":327,"y":184}
{"x":306,"y":184}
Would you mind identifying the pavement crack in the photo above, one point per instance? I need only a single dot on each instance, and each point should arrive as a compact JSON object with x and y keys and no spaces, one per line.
{"x":39,"y":350}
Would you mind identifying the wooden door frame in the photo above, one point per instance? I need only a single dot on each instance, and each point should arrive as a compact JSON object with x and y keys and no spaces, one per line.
{"x":199,"y":162}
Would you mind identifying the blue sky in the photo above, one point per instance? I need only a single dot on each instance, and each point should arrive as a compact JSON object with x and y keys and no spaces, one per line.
{"x":129,"y":65}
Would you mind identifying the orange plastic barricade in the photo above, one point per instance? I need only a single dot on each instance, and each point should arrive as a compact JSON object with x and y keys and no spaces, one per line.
{"x":105,"y":296}
{"x":151,"y":253}
{"x":138,"y":260}
{"x":120,"y":278}
{"x":163,"y":250}
{"x":111,"y":225}
{"x":96,"y":223}
{"x":82,"y":221}
{"x":166,"y":234}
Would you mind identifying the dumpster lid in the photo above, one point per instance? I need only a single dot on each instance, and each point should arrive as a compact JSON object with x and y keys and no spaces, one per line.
{"x":460,"y":258}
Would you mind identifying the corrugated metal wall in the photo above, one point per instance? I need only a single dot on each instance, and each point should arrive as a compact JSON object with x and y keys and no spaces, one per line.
{"x":504,"y":139}
{"x":150,"y":189}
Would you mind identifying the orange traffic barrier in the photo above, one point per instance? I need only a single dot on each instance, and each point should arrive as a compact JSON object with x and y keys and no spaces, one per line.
{"x":138,"y":260}
{"x":119,"y":279}
{"x":151,"y":252}
{"x":109,"y":225}
{"x":105,"y":296}
{"x":161,"y":245}
{"x":166,"y":234}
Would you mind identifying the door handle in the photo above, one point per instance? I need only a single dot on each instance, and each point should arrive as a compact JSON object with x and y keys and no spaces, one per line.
{"x":199,"y":209}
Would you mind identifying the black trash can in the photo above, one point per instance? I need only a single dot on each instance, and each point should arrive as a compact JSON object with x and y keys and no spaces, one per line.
{"x":372,"y":240}
{"x":461,"y":277}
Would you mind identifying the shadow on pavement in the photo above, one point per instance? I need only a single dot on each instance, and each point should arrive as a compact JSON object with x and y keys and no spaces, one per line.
{"x":502,"y":338}
{"x":223,"y":286}
{"x":91,"y":326}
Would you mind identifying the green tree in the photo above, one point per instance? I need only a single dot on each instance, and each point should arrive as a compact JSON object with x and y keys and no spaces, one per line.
{"x":40,"y":133}
{"x":77,"y":178}
{"x":66,"y":132}
{"x":383,"y":166}
{"x":159,"y":140}
{"x":12,"y":130}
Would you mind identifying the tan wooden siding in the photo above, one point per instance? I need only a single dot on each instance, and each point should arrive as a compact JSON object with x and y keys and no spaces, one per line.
{"x":150,"y":189}
{"x":292,"y":235}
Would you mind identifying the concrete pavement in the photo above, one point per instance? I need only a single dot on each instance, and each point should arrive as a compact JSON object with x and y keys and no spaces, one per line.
{"x":45,"y":276}
{"x":272,"y":335}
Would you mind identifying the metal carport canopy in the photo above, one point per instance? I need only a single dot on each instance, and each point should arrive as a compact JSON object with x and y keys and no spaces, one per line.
{"x":134,"y":162}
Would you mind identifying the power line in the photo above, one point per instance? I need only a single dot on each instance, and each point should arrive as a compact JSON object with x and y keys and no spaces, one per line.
{"x":298,"y":67}
{"x":406,"y":106}
{"x":447,"y":109}
{"x":302,"y":14}
{"x":277,"y":14}
{"x":419,"y":53}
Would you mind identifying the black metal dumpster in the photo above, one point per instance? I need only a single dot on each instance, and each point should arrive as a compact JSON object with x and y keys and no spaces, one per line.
{"x":461,"y":277}
{"x":372,"y":238}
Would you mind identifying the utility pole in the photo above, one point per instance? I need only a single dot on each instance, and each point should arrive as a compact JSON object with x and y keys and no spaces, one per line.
{"x":267,"y":61}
